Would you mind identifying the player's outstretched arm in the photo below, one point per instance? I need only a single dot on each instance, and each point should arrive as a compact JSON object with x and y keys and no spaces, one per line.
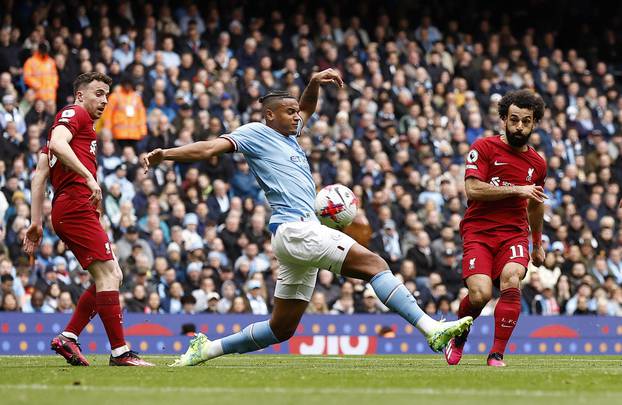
{"x":477,"y":190}
{"x":35,"y":230}
{"x":535,"y":214}
{"x":193,"y":152}
{"x":59,"y":146}
{"x":308,"y":100}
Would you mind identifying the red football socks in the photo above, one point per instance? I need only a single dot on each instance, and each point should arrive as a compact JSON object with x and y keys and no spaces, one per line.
{"x":85,"y":311}
{"x":109,"y":311}
{"x":467,"y":309}
{"x":506,"y":316}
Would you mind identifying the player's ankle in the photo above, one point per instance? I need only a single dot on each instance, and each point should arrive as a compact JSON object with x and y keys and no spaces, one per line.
{"x":70,"y":335}
{"x":119,"y":351}
{"x":427,"y":325}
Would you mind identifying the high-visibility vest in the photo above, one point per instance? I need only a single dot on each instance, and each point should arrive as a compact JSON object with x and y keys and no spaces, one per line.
{"x":41,"y":75}
{"x":125,"y":115}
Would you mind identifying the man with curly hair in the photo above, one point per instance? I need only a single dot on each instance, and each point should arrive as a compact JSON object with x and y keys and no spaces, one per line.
{"x":504,"y":181}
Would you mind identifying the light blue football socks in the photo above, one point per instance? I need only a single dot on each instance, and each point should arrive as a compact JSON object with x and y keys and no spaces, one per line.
{"x":255,"y":336}
{"x":397,"y":298}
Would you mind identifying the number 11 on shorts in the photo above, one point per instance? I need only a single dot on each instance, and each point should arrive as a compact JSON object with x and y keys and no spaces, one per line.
{"x":517,"y":249}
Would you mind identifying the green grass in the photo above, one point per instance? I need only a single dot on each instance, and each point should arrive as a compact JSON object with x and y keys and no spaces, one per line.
{"x":297,"y":380}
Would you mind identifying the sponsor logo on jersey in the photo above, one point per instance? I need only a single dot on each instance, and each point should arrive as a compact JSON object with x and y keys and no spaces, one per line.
{"x":474,"y":167}
{"x":497,"y":182}
{"x":500,"y":163}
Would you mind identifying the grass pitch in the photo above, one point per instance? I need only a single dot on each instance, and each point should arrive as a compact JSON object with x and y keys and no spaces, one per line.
{"x":297,"y":380}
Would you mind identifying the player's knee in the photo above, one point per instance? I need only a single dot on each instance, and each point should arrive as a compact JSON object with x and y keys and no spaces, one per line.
{"x":109,"y":273}
{"x":376,"y":263}
{"x":283,"y":332}
{"x":479,"y":297}
{"x":511,"y":276}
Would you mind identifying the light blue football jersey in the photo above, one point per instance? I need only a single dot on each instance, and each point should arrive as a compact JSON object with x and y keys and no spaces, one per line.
{"x":280,"y":166}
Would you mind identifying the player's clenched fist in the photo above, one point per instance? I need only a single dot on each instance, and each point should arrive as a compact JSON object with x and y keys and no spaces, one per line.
{"x":328,"y":76}
{"x":153,"y":158}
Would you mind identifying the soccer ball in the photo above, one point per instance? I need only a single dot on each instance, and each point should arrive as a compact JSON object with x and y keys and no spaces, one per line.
{"x":335,"y":206}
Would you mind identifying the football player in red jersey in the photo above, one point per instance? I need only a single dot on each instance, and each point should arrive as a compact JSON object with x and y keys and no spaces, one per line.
{"x":504,"y":185}
{"x":71,"y":165}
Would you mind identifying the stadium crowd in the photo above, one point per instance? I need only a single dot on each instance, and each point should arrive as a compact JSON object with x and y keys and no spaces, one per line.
{"x":419,"y":91}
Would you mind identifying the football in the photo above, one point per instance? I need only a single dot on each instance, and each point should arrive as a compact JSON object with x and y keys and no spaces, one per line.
{"x":336,"y":206}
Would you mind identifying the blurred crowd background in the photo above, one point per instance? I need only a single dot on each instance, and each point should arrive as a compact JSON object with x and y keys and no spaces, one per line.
{"x":423,"y":80}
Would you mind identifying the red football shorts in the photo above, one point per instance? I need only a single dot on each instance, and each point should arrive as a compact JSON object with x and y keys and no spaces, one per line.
{"x":489,"y":254}
{"x":76,"y":222}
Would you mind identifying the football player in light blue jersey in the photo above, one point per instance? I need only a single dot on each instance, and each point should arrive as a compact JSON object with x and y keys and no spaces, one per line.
{"x":300,"y":242}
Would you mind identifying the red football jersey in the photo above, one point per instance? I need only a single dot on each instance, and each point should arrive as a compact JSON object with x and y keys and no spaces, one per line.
{"x":492,"y":161}
{"x":84,"y":145}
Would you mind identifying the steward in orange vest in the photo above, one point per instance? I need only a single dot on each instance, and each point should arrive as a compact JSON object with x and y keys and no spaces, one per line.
{"x":40,"y":73}
{"x":125,"y":114}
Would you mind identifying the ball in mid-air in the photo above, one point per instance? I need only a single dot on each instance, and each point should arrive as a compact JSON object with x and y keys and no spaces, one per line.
{"x":336,"y":206}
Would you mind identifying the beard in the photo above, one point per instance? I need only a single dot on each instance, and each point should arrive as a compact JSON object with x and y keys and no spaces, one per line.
{"x":516,"y":139}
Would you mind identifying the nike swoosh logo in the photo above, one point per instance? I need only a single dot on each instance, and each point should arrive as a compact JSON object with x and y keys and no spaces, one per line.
{"x":500,"y":163}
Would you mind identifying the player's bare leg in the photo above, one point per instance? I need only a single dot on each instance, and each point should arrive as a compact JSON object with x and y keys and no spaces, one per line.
{"x":285,"y":319}
{"x":480,"y":292}
{"x":108,"y":276}
{"x":507,"y":311}
{"x":363,"y":264}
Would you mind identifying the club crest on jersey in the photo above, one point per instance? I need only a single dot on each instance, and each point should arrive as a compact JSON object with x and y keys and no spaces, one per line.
{"x":472,"y":263}
{"x":93,"y":147}
{"x":529,"y":174}
{"x":107,"y":247}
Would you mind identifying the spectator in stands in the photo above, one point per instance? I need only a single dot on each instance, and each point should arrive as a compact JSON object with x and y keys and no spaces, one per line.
{"x":125,"y":116}
{"x":10,"y":113}
{"x":40,"y":74}
{"x":228,"y":291}
{"x":240,"y":305}
{"x":9,"y":303}
{"x":318,"y":304}
{"x":153,"y":304}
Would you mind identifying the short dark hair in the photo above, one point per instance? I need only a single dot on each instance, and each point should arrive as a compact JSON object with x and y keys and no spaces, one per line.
{"x":86,"y":78}
{"x":275,"y":95}
{"x":272,"y":100}
{"x":522,"y":99}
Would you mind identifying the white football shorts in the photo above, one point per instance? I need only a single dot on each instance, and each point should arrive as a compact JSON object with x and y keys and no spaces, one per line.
{"x":302,"y":248}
